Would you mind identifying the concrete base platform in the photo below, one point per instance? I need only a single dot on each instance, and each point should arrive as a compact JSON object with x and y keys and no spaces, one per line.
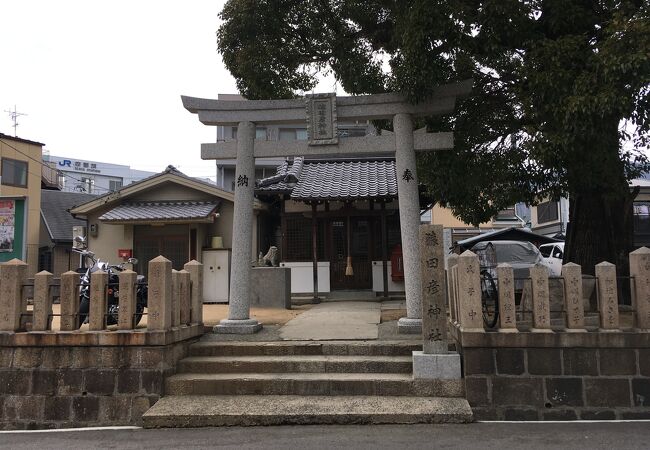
{"x":436,"y":366}
{"x":406,"y":325}
{"x":253,"y":410}
{"x":244,"y":326}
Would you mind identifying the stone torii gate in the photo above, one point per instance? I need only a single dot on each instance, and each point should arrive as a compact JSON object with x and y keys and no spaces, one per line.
{"x":322,"y":112}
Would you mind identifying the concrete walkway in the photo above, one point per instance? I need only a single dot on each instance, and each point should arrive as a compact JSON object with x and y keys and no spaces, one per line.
{"x":335,"y":321}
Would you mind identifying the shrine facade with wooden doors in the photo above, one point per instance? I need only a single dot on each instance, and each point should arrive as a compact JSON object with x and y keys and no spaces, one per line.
{"x":335,"y":223}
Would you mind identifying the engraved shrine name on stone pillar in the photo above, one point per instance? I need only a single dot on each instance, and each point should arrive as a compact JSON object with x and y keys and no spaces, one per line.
{"x":607,"y":296}
{"x":541,"y":298}
{"x":321,"y":119}
{"x":573,"y":303}
{"x":434,"y":290}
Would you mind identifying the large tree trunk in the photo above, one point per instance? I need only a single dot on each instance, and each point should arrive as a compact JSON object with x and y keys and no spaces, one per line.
{"x":601,"y":229}
{"x":600,"y":200}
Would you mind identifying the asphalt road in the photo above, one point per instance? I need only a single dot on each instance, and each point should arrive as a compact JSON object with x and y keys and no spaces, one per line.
{"x":603,"y":435}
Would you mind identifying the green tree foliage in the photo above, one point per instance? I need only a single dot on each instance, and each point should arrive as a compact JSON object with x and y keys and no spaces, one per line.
{"x":560,"y":104}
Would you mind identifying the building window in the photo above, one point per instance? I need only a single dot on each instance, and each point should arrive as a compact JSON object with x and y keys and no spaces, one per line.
{"x":352,"y":132}
{"x":260,"y":133}
{"x":508,"y":214}
{"x":14,"y":172}
{"x":292,"y":134}
{"x":114,"y":185}
{"x":547,"y":212}
{"x":641,"y":224}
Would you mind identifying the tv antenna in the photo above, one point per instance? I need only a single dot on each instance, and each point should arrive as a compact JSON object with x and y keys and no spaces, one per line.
{"x":14,"y":117}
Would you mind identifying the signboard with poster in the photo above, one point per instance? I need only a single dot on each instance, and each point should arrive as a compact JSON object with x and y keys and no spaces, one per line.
{"x":7,"y":225}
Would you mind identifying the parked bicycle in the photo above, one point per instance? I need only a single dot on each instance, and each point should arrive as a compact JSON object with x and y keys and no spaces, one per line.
{"x":489,"y":293}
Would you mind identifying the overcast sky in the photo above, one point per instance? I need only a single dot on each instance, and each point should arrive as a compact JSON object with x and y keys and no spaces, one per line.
{"x":102,"y":80}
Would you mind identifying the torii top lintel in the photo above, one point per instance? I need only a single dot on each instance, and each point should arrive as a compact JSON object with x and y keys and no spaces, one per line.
{"x":361,"y":107}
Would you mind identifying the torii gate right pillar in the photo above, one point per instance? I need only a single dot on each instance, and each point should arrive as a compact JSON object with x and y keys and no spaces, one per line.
{"x":409,"y":216}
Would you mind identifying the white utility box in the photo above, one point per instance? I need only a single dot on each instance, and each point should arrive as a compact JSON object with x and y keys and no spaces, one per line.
{"x":216,"y":275}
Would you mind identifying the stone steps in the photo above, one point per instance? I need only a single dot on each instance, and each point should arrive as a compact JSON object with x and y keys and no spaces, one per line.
{"x":304,"y":382}
{"x":391,"y":384}
{"x":252,"y":410}
{"x":282,"y":348}
{"x":296,"y":363}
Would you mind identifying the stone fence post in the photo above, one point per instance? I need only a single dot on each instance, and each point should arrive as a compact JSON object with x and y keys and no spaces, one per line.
{"x":640,"y":271}
{"x":195,"y":269}
{"x":159,"y":302}
{"x":69,"y":298}
{"x":41,"y":319}
{"x":128,"y":299}
{"x":184,"y":299}
{"x":607,"y":296}
{"x":176,"y":298}
{"x":12,"y":277}
{"x":452,"y":261}
{"x":541,"y":298}
{"x":573,"y":303}
{"x":506,"y":292}
{"x":469,"y":292}
{"x":98,"y":308}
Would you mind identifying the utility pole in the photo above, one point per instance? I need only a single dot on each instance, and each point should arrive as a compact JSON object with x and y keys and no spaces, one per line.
{"x":14,"y":116}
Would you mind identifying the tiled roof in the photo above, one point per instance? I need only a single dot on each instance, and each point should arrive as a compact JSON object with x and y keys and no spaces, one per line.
{"x":331,"y":180}
{"x":54,"y":211}
{"x":178,"y":210}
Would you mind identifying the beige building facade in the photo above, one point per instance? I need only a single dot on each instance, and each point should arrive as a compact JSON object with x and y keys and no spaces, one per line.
{"x":20,"y":199}
{"x":168,"y":214}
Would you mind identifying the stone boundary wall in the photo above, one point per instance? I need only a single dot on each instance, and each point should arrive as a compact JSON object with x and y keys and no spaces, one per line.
{"x":536,"y":377}
{"x":70,"y":378}
{"x":67,"y":386}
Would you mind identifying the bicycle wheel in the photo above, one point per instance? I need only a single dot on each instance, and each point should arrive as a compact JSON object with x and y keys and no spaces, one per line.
{"x":489,"y":300}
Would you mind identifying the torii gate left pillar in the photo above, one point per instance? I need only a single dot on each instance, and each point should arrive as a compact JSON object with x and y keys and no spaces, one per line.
{"x":323,"y":111}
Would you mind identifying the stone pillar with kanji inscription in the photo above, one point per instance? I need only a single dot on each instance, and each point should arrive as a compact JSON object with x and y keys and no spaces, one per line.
{"x":507,"y":306}
{"x":409,"y":217}
{"x":541,"y":298}
{"x":239,"y":321}
{"x":468,"y":278}
{"x":434,"y":361}
{"x":573,"y":303}
{"x":640,"y":271}
{"x":607,"y":296}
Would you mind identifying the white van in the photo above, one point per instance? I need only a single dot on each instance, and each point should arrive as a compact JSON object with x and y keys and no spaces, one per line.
{"x":552,"y":255}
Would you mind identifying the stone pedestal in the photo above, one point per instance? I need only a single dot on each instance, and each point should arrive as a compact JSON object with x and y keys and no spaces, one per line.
{"x":436,"y":366}
{"x":238,"y":326}
{"x":271,"y":287}
{"x":409,"y":216}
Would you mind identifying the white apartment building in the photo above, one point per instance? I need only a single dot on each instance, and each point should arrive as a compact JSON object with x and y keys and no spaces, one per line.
{"x":93,"y":177}
{"x":266,"y":167}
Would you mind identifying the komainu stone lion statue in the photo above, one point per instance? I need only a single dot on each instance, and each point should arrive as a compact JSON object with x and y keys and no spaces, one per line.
{"x":271,"y":258}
